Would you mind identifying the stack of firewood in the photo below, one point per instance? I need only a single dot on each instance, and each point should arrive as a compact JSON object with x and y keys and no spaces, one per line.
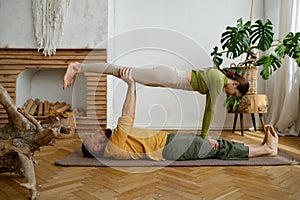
{"x":38,"y":108}
{"x":45,"y":111}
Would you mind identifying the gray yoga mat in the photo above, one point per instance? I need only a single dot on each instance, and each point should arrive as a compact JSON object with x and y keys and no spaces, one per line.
{"x":76,"y":159}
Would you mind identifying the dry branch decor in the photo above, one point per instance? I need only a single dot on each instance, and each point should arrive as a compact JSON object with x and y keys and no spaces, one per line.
{"x":20,"y":138}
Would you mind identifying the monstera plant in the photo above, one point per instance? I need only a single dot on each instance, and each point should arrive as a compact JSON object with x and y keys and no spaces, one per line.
{"x":255,"y":42}
{"x":255,"y":45}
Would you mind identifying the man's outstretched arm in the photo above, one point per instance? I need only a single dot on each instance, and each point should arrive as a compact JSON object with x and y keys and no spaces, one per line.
{"x":130,"y":100}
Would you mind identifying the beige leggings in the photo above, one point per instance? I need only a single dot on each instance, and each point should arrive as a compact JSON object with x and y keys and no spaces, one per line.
{"x":158,"y":76}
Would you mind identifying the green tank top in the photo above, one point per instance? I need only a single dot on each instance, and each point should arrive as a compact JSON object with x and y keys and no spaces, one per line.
{"x":209,"y":82}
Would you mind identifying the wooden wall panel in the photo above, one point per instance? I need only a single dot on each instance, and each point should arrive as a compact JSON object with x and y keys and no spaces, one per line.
{"x":14,"y":61}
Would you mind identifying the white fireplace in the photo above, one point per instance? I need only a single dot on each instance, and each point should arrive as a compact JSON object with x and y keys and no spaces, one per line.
{"x":46,"y":85}
{"x":26,"y":73}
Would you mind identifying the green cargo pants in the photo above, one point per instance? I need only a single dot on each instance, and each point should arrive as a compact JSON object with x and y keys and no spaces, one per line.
{"x":191,"y":146}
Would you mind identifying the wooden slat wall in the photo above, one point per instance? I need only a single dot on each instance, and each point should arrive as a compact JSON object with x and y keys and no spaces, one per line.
{"x":96,"y":100}
{"x":14,"y":61}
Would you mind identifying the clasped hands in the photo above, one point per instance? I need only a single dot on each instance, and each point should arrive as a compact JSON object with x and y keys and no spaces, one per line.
{"x":214,"y":143}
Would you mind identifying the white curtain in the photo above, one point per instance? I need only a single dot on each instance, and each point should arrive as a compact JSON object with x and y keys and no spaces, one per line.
{"x":283,"y":88}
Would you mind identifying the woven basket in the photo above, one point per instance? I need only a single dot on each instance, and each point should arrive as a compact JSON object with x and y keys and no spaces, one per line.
{"x":250,"y":73}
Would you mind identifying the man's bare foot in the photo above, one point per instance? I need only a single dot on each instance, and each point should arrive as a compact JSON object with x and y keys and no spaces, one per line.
{"x":271,"y":140}
{"x":72,"y":71}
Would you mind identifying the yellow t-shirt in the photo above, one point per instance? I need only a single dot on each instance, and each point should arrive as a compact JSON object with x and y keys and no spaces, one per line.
{"x":128,"y":142}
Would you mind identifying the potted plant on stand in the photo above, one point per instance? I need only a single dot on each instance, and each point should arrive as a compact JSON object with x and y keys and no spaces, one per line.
{"x":254,"y":45}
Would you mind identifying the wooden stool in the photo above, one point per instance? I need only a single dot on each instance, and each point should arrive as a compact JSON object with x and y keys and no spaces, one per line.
{"x":251,"y":104}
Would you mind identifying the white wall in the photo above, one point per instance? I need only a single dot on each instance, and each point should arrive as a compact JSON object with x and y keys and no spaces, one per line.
{"x":175,"y":33}
{"x":85,"y":24}
{"x":16,"y":24}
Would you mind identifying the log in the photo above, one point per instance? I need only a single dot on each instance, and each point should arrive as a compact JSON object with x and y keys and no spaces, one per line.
{"x":40,"y":109}
{"x":58,"y":105}
{"x":28,"y":104}
{"x":64,"y":108}
{"x":46,"y":107}
{"x":34,"y":106}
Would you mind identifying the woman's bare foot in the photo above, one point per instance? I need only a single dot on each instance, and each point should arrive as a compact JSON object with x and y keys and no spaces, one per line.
{"x":271,"y":140}
{"x":266,"y":134}
{"x":72,"y":71}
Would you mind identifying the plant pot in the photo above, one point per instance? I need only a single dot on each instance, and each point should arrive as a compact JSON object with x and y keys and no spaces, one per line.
{"x":250,"y":73}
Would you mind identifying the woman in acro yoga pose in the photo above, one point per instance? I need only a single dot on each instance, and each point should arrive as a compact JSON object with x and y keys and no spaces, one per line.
{"x":209,"y":81}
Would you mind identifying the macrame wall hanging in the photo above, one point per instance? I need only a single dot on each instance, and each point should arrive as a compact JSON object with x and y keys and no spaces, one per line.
{"x":48,"y":21}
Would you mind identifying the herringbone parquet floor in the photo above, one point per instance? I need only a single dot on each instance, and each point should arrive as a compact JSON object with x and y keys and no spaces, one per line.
{"x":230,"y":182}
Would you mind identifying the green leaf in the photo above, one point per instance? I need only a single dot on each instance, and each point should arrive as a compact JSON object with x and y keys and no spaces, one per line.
{"x":280,"y":50}
{"x":297,"y":58}
{"x":270,"y":63}
{"x":275,"y":62}
{"x":296,"y":51}
{"x":292,"y":44}
{"x":235,"y":106}
{"x":265,"y":73}
{"x":239,"y":70}
{"x":236,"y":39}
{"x":262,"y":34}
{"x":217,"y":60}
{"x":243,"y":27}
{"x":232,"y":102}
